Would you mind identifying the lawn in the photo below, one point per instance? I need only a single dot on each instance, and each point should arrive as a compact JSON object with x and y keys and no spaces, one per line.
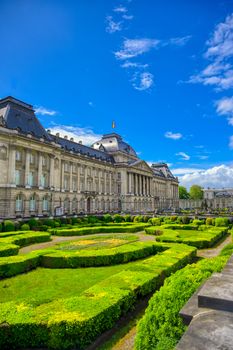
{"x":43,"y":285}
{"x":66,"y":308}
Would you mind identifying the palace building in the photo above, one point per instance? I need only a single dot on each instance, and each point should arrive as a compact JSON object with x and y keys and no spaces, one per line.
{"x":48,"y":175}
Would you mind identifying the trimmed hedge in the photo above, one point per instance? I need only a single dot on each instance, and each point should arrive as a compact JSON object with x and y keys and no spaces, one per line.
{"x":203,"y":238}
{"x":161,"y":327}
{"x":7,"y":249}
{"x":28,"y":238}
{"x":98,"y":229}
{"x":14,"y":265}
{"x":103,"y":257}
{"x":75,"y":322}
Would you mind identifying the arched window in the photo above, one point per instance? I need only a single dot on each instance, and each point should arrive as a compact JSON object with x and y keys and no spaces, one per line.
{"x":32,"y":203}
{"x":66,"y":205}
{"x":45,"y":204}
{"x":19,"y":203}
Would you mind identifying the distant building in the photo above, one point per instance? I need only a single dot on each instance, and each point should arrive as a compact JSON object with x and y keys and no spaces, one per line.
{"x":213,"y":198}
{"x":45,"y":174}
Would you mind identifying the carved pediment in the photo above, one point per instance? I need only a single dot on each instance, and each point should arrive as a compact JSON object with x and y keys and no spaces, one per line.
{"x":141,"y":165}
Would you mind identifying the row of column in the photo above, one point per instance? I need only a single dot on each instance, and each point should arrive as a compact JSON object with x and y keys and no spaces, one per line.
{"x":108,"y":178}
{"x":139,"y":184}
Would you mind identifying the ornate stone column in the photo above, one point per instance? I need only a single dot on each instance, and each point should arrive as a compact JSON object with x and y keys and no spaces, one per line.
{"x":130,"y":182}
{"x":11,"y":167}
{"x":110,"y":183}
{"x":39,"y":174}
{"x":27,"y":169}
{"x":62,"y":175}
{"x":51,"y":172}
{"x":71,"y":177}
{"x":78,"y":178}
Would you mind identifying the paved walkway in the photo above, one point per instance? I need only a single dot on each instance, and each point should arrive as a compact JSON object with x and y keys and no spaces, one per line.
{"x":212,"y":252}
{"x":58,"y":239}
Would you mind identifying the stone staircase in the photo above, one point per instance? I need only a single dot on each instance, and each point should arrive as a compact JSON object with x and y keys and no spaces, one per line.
{"x":209,"y":314}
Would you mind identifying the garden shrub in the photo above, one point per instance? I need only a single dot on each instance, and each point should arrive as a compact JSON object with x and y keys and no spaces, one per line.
{"x":33,"y":223}
{"x":0,"y":227}
{"x":27,"y":238}
{"x":127,"y":218}
{"x":107,"y":218}
{"x":185,"y":220}
{"x":98,"y":229}
{"x":162,"y":326}
{"x":118,"y":218}
{"x":9,"y":226}
{"x":14,"y":265}
{"x":155,"y":221}
{"x":86,"y":258}
{"x":25,"y":227}
{"x":197,"y":222}
{"x":210,"y":221}
{"x":219,"y":222}
{"x":76,"y":321}
{"x":92,"y":219}
{"x":7,"y":249}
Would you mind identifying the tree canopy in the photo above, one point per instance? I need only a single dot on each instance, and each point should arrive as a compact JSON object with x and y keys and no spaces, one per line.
{"x":183,"y":193}
{"x":196,"y":192}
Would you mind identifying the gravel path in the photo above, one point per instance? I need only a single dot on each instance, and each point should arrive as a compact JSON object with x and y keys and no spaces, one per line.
{"x":211,"y":252}
{"x":57,"y":239}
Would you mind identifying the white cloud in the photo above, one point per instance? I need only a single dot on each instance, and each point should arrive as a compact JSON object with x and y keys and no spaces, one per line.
{"x":219,"y":72}
{"x":143,"y":81}
{"x":218,"y":177}
{"x":225,"y":106}
{"x":44,"y":111}
{"x":128,"y":17}
{"x":180,"y":41}
{"x":184,"y":171}
{"x":120,"y":9}
{"x":173,"y":136}
{"x":203,"y":157}
{"x":129,"y":64}
{"x":231,"y":142}
{"x":135,"y":47}
{"x":91,"y":104}
{"x":113,"y":26}
{"x":220,"y":44}
{"x":183,"y":155}
{"x":86,"y":135}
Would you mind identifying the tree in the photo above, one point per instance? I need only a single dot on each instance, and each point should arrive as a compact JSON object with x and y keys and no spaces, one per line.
{"x":183,"y":193}
{"x":196,"y":192}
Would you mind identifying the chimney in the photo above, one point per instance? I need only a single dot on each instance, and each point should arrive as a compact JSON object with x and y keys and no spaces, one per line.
{"x":71,"y":139}
{"x":66,"y":137}
{"x":57,"y":134}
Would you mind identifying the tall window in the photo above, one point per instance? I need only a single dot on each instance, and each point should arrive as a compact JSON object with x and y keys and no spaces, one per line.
{"x":18,"y":156}
{"x":43,"y":180}
{"x":17,"y":177}
{"x":32,"y":158}
{"x":66,"y":183}
{"x":45,"y":204}
{"x":32,"y":203}
{"x":31,"y":178}
{"x":44,"y":161}
{"x":19,"y":203}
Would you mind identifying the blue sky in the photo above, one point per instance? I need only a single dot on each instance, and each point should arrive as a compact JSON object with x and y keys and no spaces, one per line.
{"x":161,"y":69}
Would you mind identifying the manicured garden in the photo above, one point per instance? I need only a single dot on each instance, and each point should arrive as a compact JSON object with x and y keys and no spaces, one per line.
{"x":64,"y":296}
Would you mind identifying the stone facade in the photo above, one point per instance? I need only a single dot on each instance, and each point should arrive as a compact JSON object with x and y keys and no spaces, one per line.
{"x":213,"y":199}
{"x":45,"y":174}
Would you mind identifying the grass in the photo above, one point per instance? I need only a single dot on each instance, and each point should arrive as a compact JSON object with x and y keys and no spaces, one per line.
{"x":43,"y":285}
{"x":97,"y":242}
